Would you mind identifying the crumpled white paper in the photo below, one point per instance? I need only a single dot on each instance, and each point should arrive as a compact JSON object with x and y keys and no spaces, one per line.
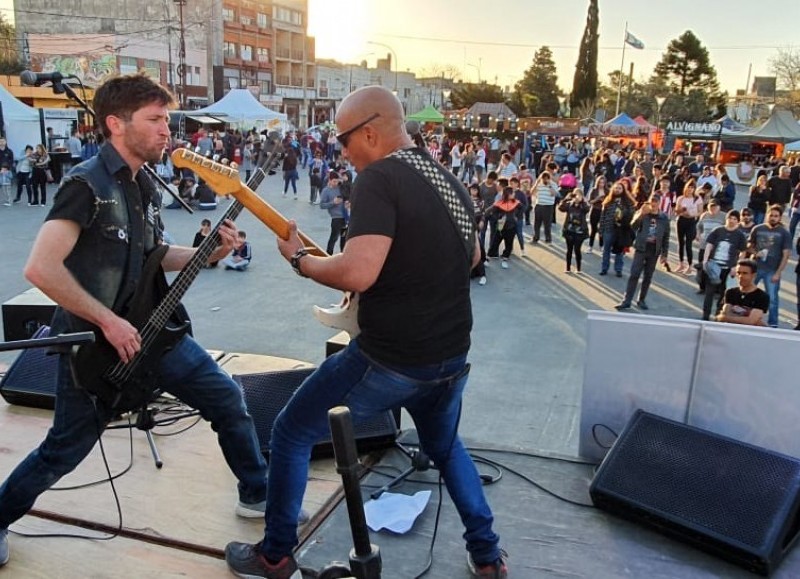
{"x":395,"y":512}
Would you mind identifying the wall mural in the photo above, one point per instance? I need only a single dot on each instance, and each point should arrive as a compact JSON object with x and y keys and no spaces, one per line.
{"x":92,"y":70}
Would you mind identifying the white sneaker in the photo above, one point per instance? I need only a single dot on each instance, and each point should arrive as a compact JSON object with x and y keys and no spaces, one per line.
{"x":589,"y":251}
{"x":482,"y":281}
{"x":504,"y":264}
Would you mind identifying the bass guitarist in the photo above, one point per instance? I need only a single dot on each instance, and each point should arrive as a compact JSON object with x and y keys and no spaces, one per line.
{"x":89,"y":257}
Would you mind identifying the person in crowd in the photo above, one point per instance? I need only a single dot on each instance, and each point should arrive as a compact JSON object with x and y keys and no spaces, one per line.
{"x":794,"y":211}
{"x":455,"y":158}
{"x":708,"y":221}
{"x":724,"y":246}
{"x":771,"y":245}
{"x":506,"y":168}
{"x":200,"y":236}
{"x":615,"y":219}
{"x":479,"y":164}
{"x":595,"y":199}
{"x":81,"y":259}
{"x":780,"y":187}
{"x":75,"y":146}
{"x":40,"y":176}
{"x":747,"y":223}
{"x":575,"y":229}
{"x":651,"y":243}
{"x":333,"y":201}
{"x":412,"y":348}
{"x":468,"y":157}
{"x":6,"y":154}
{"x":204,"y":197}
{"x":524,"y":199}
{"x":242,"y":254}
{"x":696,"y":166}
{"x":546,"y":193}
{"x":479,"y":270}
{"x":688,"y":208}
{"x":707,"y":177}
{"x":746,"y":303}
{"x":758,"y":199}
{"x":726,"y":193}
{"x":289,"y":168}
{"x":90,"y":148}
{"x":667,"y":194}
{"x":506,"y":212}
{"x":24,"y":170}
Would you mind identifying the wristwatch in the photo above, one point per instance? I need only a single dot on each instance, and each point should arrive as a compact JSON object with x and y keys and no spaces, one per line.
{"x":295,"y":261}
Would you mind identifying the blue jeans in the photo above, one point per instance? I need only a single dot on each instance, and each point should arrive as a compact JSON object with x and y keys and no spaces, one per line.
{"x":188,"y":372}
{"x":432,"y":396}
{"x":795,"y":219}
{"x":772,"y":288}
{"x":608,"y":242}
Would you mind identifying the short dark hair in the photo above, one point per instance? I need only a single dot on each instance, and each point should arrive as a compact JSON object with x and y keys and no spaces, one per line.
{"x":206,"y":222}
{"x":121,"y":96}
{"x":748,"y":263}
{"x":734,"y":213}
{"x":491,"y":175}
{"x":775,"y":207}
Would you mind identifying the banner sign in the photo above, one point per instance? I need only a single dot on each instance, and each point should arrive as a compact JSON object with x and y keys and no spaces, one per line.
{"x":697,"y":130}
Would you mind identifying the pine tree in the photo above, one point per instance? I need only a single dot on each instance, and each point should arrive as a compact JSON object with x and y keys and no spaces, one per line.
{"x":467,"y":94}
{"x":584,"y":84}
{"x":537,"y":91}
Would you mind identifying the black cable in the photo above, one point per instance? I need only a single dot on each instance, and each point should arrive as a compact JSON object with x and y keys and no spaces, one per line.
{"x":594,"y":435}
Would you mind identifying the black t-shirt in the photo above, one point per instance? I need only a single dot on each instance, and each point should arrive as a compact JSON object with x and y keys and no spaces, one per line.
{"x":418,"y":311}
{"x":781,"y":190}
{"x":741,"y":303}
{"x":727,"y":245}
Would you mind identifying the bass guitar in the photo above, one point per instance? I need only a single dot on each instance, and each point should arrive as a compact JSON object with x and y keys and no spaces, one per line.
{"x":161,"y":320}
{"x":224,"y":180}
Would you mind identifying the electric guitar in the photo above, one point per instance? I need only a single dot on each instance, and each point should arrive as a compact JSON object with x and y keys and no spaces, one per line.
{"x":224,"y":180}
{"x":155,"y":312}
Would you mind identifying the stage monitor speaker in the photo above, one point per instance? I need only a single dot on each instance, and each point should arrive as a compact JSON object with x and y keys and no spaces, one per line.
{"x":25,"y":313}
{"x":31,"y":378}
{"x":729,"y":498}
{"x":267,"y":393}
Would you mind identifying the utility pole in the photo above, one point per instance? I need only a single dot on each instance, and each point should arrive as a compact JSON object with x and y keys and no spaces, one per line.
{"x":182,"y":55}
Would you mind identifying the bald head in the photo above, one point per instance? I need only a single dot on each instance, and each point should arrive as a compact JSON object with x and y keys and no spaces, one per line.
{"x":372,"y":117}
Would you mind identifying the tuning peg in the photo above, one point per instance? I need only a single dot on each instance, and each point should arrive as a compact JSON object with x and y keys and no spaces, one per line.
{"x":215,"y":158}
{"x":234,"y":165}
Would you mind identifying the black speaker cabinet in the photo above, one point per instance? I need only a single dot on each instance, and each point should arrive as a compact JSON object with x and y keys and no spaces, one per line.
{"x":31,"y":378}
{"x":267,"y":393}
{"x":25,"y":313}
{"x":731,"y":499}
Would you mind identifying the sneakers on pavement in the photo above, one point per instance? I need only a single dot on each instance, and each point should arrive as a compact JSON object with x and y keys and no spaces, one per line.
{"x":623,"y":306}
{"x":495,"y":570}
{"x":3,"y":547}
{"x":504,"y":264}
{"x":245,"y":560}
{"x":482,"y":281}
{"x":642,"y":305}
{"x":256,"y":511}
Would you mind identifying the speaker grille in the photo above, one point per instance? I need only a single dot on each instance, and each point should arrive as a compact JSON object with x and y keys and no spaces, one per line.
{"x":31,"y":378}
{"x":265,"y":395}
{"x":732,"y":499}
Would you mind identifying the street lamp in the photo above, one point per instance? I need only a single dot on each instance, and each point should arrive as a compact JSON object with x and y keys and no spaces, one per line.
{"x":182,"y":54}
{"x":660,"y":100}
{"x":394,"y":57}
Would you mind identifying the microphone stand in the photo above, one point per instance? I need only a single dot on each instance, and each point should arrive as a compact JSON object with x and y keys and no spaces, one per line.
{"x":148,"y":169}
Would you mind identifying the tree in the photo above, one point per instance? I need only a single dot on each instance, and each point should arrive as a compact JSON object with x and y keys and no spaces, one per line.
{"x":786,"y":67}
{"x":10,"y":63}
{"x":465,"y":95}
{"x":686,"y":72}
{"x":536,"y":93}
{"x":584,"y":84}
{"x":448,"y":71}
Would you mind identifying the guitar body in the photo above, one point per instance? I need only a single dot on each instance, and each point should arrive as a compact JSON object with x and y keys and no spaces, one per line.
{"x":123,"y":387}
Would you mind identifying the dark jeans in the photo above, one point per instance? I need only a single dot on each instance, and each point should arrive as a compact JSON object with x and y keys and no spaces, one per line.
{"x":594,"y":223}
{"x":432,"y":396}
{"x":543,"y":215}
{"x":337,"y":230}
{"x":644,"y":262}
{"x":188,"y":372}
{"x":507,"y":237}
{"x":290,"y":177}
{"x":24,"y":180}
{"x":39,"y":187}
{"x":687,"y":230}
{"x":714,"y":290}
{"x":574,"y":243}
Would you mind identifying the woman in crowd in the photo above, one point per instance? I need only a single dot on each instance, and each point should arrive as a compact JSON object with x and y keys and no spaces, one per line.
{"x":289,"y":168}
{"x":586,"y":174}
{"x":24,"y":168}
{"x":688,"y":208}
{"x":504,"y":213}
{"x":615,"y":219}
{"x":759,"y":198}
{"x":479,"y":270}
{"x":595,"y":200}
{"x":41,"y":163}
{"x":575,"y":229}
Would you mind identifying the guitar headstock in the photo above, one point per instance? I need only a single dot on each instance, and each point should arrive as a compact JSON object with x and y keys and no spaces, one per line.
{"x":221,"y":178}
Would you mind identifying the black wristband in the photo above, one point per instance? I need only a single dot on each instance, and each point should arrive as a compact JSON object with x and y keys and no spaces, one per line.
{"x":295,"y":261}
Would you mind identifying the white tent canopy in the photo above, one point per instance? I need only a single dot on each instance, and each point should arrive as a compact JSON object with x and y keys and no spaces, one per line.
{"x":240,"y":107}
{"x":22,"y":124}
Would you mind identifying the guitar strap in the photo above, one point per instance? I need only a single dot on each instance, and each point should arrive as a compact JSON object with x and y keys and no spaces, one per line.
{"x":442,"y":181}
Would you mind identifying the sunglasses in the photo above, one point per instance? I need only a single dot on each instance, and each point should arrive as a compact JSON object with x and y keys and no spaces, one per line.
{"x":344,"y":137}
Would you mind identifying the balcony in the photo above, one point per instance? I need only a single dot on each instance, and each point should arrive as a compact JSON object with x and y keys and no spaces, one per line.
{"x":233,"y":61}
{"x":263,"y":62}
{"x":297,"y":55}
{"x":283,"y":52}
{"x":282,"y":80}
{"x":310,"y":83}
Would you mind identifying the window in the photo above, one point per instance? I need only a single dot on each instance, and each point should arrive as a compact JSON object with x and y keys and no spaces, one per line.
{"x":323,"y":88}
{"x":193,"y":75}
{"x":246,"y":20}
{"x":263,"y":54}
{"x":229,"y":50}
{"x":152,"y":68}
{"x":127,"y":65}
{"x":297,"y":18}
{"x":247,"y":52}
{"x":228,"y":15}
{"x":261,"y":20}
